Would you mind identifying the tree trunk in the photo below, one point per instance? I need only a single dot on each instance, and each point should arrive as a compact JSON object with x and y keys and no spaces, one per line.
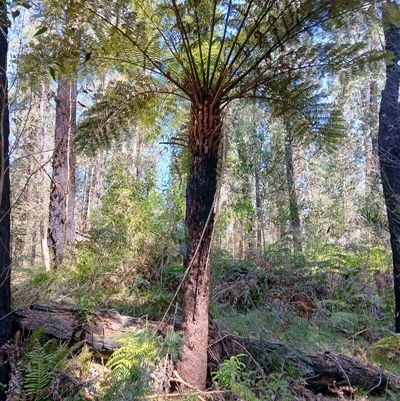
{"x":260,"y":214}
{"x":294,"y":214}
{"x":204,"y":137}
{"x":62,"y":188}
{"x":5,"y":263}
{"x":389,"y":154}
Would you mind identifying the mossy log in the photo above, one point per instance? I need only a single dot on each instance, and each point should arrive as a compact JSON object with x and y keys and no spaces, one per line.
{"x":323,"y":372}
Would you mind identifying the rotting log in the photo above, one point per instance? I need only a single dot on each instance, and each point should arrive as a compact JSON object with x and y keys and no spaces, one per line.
{"x":323,"y":372}
{"x":100,"y":331}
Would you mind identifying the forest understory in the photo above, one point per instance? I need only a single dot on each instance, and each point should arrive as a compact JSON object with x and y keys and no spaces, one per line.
{"x":280,"y":329}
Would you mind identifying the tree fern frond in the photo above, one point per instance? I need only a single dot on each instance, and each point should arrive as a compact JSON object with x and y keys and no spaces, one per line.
{"x":116,"y":113}
{"x":391,"y":14}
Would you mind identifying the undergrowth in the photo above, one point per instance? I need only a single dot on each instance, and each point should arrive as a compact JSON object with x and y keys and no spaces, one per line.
{"x":327,"y":299}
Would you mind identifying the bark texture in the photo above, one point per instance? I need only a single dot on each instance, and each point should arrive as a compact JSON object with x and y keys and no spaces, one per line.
{"x":5,"y":266}
{"x":389,"y":154}
{"x":101,"y":331}
{"x":61,"y":232}
{"x":204,"y":137}
{"x":322,"y":372}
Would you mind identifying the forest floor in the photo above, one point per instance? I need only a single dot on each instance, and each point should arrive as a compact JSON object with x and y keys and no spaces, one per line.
{"x":335,"y":301}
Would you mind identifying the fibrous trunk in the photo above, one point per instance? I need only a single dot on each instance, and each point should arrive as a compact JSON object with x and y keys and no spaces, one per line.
{"x":389,"y":155}
{"x":62,"y":189}
{"x":204,"y":138}
{"x":5,"y":266}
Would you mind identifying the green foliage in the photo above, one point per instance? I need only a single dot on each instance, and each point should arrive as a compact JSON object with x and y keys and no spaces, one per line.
{"x":131,"y":366}
{"x":130,"y":241}
{"x":171,"y":345}
{"x":37,"y":288}
{"x":277,"y":388}
{"x":232,"y":375}
{"x":386,"y":352}
{"x":117,"y":114}
{"x":40,"y":371}
{"x":391,"y":14}
{"x":349,"y":320}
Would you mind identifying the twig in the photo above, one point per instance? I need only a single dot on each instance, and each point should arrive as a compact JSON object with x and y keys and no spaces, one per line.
{"x":373,"y":388}
{"x":337,"y":363}
{"x":251,"y":357}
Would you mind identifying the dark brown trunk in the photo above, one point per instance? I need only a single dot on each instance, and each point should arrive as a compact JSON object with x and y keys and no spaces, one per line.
{"x":62,"y":188}
{"x":389,"y":155}
{"x":5,"y":263}
{"x":204,"y":138}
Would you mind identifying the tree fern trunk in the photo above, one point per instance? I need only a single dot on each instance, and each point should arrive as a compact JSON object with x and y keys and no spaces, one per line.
{"x":204,"y":138}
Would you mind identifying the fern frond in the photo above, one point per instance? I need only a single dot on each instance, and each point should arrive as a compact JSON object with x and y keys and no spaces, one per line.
{"x":137,"y":346}
{"x":386,"y":352}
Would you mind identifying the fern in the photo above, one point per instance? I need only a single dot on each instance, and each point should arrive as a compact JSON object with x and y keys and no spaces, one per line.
{"x":40,"y":371}
{"x":345,"y":320}
{"x":171,"y":345}
{"x":386,"y":352}
{"x":233,"y":376}
{"x":131,"y":365}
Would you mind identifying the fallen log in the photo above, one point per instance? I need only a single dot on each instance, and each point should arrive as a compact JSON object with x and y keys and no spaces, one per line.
{"x":101,"y":331}
{"x":322,"y":372}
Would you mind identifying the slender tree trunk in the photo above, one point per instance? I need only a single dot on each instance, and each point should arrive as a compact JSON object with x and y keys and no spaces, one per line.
{"x":389,"y":154}
{"x":62,"y":188}
{"x":260,"y":223}
{"x":88,"y":199}
{"x":5,"y":262}
{"x":204,"y":137}
{"x":294,"y":214}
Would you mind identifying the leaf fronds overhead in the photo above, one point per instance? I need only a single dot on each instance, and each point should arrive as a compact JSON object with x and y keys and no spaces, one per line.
{"x":117,"y":112}
{"x":225,"y":48}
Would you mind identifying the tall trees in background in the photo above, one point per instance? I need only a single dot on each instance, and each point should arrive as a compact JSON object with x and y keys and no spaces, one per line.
{"x":5,"y":262}
{"x":389,"y":143}
{"x":210,"y":53}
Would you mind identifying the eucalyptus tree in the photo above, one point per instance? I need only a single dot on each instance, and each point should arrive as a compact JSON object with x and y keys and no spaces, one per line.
{"x":208,"y":53}
{"x":61,"y":231}
{"x":5,"y":262}
{"x":389,"y":141}
{"x":56,"y":52}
